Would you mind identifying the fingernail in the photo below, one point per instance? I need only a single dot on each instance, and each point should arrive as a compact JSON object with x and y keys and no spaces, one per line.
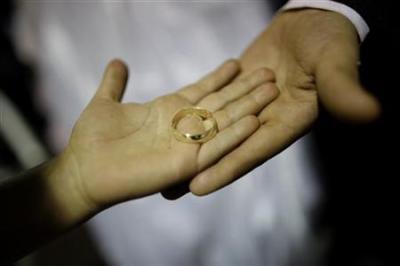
{"x":231,"y":65}
{"x":198,"y":184}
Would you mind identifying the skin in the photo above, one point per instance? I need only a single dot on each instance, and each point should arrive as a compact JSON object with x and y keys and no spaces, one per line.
{"x":115,"y":146}
{"x":314,"y":55}
{"x":122,"y":151}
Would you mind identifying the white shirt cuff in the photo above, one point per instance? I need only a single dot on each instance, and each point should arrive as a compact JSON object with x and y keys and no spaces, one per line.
{"x":358,"y":22}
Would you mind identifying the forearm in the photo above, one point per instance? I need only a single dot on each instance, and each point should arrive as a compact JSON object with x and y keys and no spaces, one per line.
{"x":37,"y":206}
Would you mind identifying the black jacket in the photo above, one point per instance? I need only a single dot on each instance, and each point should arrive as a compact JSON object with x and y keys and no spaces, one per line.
{"x":358,"y":163}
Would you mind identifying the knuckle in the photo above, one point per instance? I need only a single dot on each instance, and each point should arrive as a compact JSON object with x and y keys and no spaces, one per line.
{"x":211,"y":102}
{"x":221,"y":118}
{"x":210,"y":84}
{"x":214,"y":98}
{"x":202,"y":85}
{"x":260,"y":75}
{"x":273,"y":88}
{"x":226,"y":118}
{"x":238,"y":130}
{"x":252,"y":122}
{"x":275,"y":92}
{"x":265,"y":73}
{"x":232,"y":62}
{"x":243,"y":83}
{"x":256,"y":101}
{"x":218,"y":148}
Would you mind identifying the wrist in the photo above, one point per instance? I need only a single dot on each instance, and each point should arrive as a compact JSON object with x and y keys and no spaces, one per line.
{"x":38,"y":205}
{"x":303,"y":21}
{"x":66,"y":190}
{"x":317,"y":24}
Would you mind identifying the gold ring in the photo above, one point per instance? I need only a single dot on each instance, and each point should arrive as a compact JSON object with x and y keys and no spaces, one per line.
{"x":209,"y":122}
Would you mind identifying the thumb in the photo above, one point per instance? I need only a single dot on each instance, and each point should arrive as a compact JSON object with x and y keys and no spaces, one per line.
{"x":339,"y":88}
{"x":114,"y":81}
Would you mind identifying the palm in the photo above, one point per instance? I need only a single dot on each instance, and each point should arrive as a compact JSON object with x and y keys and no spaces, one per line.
{"x":125,"y":151}
{"x":139,"y":132}
{"x":314,"y":55}
{"x":295,"y":56}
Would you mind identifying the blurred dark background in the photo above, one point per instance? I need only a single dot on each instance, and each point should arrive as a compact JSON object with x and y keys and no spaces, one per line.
{"x":357,"y":162}
{"x":17,"y":84}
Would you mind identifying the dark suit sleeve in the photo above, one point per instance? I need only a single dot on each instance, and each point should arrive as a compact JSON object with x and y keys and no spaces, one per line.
{"x":356,"y":162}
{"x":377,"y":15}
{"x":363,"y":7}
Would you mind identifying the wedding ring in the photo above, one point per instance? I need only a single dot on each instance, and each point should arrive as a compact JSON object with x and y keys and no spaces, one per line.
{"x":205,"y":117}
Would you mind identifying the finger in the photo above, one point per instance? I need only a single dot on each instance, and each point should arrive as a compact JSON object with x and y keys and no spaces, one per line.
{"x":237,"y":89}
{"x":267,"y":141}
{"x":114,"y":81}
{"x":211,"y":151}
{"x":211,"y":82}
{"x":226,"y":140}
{"x":339,"y":87}
{"x":250,"y":104}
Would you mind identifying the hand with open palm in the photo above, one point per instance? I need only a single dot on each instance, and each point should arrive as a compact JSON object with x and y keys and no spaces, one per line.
{"x":120,"y":151}
{"x":314,"y":55}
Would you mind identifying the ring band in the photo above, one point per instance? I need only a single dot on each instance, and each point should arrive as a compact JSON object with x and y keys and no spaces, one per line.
{"x":205,"y":116}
